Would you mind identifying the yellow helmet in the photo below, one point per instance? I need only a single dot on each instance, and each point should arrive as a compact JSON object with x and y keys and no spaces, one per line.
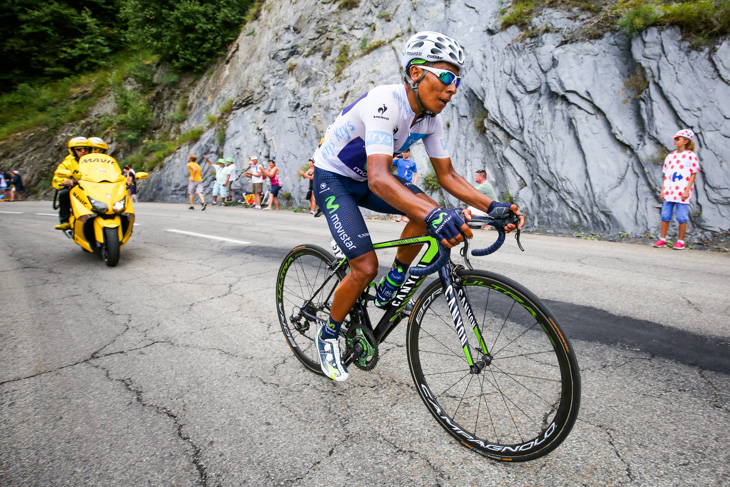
{"x":78,"y":142}
{"x":98,"y":145}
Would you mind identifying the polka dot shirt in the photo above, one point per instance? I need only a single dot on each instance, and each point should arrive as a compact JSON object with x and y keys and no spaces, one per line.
{"x":678,"y":167}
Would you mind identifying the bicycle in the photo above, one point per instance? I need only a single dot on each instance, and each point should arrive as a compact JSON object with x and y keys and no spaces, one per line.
{"x":507,"y":385}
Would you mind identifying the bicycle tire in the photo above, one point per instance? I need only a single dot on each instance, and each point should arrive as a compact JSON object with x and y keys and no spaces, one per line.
{"x":303,"y":271}
{"x":525,"y":401}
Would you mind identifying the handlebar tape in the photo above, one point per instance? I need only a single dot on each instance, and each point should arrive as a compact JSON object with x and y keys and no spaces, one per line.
{"x":492,"y":248}
{"x":444,"y":256}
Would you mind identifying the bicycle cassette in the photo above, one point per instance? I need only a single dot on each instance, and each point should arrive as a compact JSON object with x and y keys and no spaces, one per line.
{"x":361,"y":342}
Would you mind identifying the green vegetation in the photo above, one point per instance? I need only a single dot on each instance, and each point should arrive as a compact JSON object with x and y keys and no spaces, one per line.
{"x":61,"y":59}
{"x":384,"y":15}
{"x":639,"y":18}
{"x":45,"y":41}
{"x":431,"y":182}
{"x":506,"y":197}
{"x":367,"y":48}
{"x":343,"y":59}
{"x":479,"y":125}
{"x":348,"y":4}
{"x":638,"y":82}
{"x":699,"y":20}
{"x":520,"y":14}
{"x":188,"y":35}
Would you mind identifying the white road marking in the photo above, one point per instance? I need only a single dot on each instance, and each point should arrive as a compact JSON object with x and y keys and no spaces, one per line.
{"x":47,"y":214}
{"x":12,"y":212}
{"x":211,"y":237}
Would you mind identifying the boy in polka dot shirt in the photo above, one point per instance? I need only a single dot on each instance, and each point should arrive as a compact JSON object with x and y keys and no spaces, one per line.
{"x":680,"y":170}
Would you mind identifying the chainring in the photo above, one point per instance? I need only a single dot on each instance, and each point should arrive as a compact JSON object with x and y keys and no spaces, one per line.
{"x":360,"y":334}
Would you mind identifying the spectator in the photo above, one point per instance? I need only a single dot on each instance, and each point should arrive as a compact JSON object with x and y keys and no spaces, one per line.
{"x":233,"y":171}
{"x":273,"y":174}
{"x":256,"y":173}
{"x":407,"y":170}
{"x":17,"y":187}
{"x":221,"y":180}
{"x":3,"y":185}
{"x":195,"y":182}
{"x":309,"y":174}
{"x":131,"y":182}
{"x":483,"y":187}
{"x":680,"y":170}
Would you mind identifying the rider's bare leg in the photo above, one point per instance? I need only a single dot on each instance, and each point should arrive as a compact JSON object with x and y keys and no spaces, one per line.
{"x":363,"y":270}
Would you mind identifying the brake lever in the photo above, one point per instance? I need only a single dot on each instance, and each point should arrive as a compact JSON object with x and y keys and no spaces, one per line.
{"x":501,"y":223}
{"x":517,"y":237}
{"x":464,"y":252}
{"x":516,"y":221}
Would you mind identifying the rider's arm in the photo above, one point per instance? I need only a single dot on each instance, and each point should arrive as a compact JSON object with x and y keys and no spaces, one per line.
{"x":57,"y":180}
{"x":60,"y":182}
{"x":456,"y":185}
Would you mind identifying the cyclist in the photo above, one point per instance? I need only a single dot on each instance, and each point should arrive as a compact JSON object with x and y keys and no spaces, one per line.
{"x":352,"y":168}
{"x":77,"y":148}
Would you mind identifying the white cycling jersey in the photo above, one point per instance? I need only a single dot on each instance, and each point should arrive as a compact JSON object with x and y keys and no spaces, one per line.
{"x":379,"y":122}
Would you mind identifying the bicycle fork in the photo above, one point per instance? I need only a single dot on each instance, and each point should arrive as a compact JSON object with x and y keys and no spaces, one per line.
{"x":451,"y":295}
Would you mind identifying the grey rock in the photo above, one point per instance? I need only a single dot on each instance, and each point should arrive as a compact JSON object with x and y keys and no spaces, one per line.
{"x":574,"y":132}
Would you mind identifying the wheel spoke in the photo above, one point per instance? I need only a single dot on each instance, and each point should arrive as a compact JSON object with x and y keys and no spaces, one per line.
{"x":526,"y":383}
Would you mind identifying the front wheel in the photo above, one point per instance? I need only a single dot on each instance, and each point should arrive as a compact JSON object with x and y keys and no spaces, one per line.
{"x":110,"y":247}
{"x":522,"y":398}
{"x":305,"y":286}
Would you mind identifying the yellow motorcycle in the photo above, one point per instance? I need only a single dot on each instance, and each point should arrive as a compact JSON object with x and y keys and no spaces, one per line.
{"x":102,"y":215}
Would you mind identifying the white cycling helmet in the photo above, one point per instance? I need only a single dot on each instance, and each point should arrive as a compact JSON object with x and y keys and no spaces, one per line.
{"x":427,"y":48}
{"x":432,"y":47}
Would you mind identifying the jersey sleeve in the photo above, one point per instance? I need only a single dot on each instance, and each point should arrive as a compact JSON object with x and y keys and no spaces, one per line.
{"x":694,"y":163}
{"x":379,"y":115}
{"x":435,"y":142}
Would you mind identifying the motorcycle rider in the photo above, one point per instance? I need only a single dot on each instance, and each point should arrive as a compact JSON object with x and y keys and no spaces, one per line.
{"x":98,"y":146}
{"x":77,"y":148}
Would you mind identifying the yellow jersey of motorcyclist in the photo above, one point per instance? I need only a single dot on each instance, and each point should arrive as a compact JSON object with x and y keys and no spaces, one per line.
{"x":77,"y":148}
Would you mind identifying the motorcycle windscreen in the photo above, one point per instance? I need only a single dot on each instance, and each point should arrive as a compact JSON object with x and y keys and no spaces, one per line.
{"x":99,"y":168}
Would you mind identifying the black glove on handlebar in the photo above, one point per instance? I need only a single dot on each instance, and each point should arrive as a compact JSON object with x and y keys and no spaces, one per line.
{"x":443,"y":224}
{"x":499,"y":210}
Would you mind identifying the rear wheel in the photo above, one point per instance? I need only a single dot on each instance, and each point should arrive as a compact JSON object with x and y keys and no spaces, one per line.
{"x":110,"y":247}
{"x":305,"y":287}
{"x":522,"y":399}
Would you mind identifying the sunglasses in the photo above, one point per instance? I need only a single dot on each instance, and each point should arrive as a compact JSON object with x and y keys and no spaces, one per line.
{"x":444,"y":75}
{"x":81,"y":148}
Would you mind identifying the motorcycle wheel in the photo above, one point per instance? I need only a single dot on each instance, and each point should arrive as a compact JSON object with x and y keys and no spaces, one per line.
{"x":110,"y":249}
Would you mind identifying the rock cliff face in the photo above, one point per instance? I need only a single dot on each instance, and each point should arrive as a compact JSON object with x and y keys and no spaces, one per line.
{"x":574,"y":132}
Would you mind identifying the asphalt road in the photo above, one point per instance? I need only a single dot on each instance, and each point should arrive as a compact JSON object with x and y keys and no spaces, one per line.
{"x":171,"y":369}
